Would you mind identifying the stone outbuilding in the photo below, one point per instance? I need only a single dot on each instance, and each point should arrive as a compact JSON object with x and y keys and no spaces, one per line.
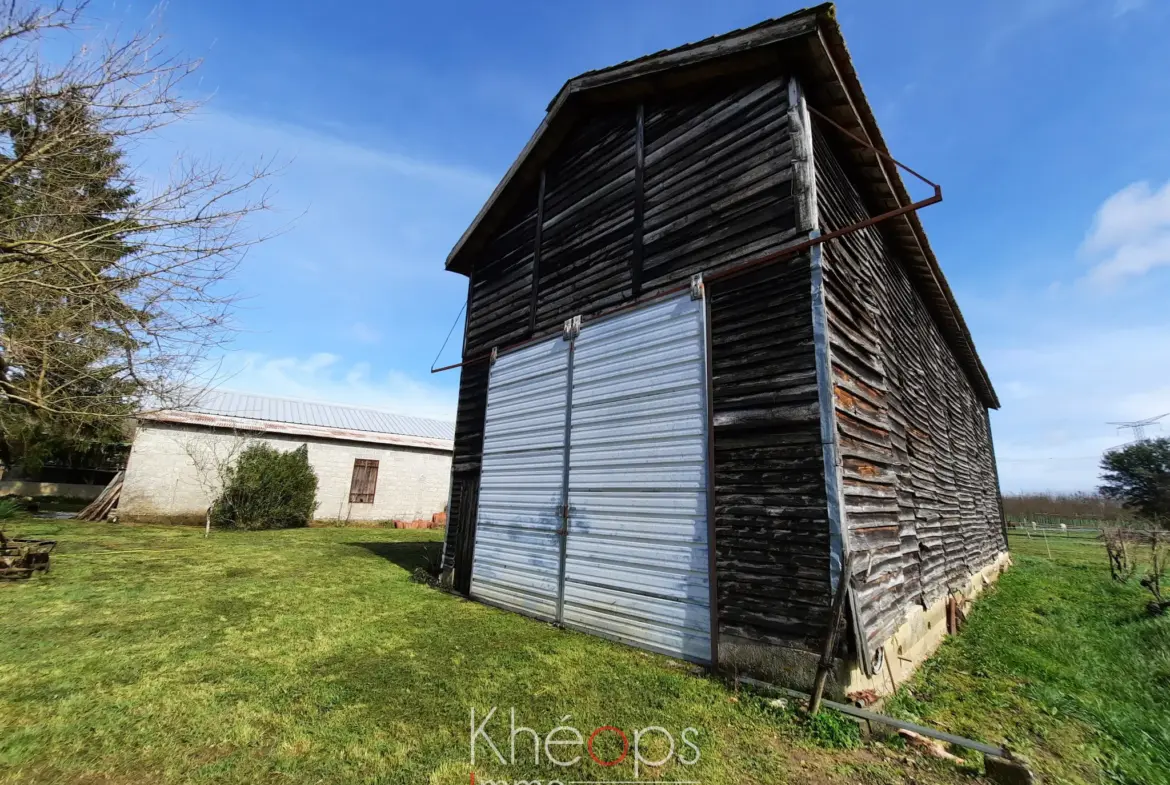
{"x":371,"y":465}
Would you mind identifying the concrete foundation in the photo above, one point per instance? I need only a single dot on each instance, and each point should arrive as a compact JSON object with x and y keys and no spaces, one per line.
{"x":921,"y":635}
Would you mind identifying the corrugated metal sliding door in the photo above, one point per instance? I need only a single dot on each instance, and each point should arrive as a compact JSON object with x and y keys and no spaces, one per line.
{"x":636,"y":563}
{"x":517,"y":557}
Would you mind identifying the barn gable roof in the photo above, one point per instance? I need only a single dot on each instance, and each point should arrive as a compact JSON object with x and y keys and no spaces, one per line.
{"x":808,"y":43}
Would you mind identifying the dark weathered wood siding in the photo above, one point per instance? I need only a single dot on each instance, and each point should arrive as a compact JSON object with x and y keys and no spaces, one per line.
{"x":587,"y":237}
{"x":714,"y":188}
{"x":918,"y":479}
{"x":771,"y":529}
{"x":718,"y":181}
{"x":498,"y":308}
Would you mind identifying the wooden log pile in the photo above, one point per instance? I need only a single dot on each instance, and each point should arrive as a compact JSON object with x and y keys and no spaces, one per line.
{"x":20,"y":558}
{"x":100,"y":508}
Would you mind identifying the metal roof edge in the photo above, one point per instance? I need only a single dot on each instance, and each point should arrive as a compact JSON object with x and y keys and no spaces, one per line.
{"x":274,"y":427}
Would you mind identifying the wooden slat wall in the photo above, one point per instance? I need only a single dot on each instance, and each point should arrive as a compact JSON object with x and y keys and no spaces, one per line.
{"x":718,"y":181}
{"x":497,"y":313}
{"x":771,"y":528}
{"x":587,"y":238}
{"x":450,"y":557}
{"x":920,"y":495}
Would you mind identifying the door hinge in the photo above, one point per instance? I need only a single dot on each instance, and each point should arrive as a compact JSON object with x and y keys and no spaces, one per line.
{"x":697,"y":287}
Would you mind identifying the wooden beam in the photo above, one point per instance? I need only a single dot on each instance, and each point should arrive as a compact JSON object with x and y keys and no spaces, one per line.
{"x":536,"y":253}
{"x":638,"y":254}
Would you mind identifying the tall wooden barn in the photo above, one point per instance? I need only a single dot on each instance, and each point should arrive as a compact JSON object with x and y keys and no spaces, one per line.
{"x":709,"y":354}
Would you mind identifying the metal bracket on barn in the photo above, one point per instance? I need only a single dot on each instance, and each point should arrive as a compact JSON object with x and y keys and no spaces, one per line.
{"x":495,"y":355}
{"x":697,"y":287}
{"x":572,"y":328}
{"x":698,"y":282}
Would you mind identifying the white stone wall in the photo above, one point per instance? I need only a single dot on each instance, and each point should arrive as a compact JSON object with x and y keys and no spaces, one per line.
{"x":171,"y":472}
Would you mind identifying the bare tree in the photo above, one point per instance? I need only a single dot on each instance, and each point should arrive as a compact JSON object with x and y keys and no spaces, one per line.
{"x":1159,"y":562}
{"x":112,"y":286}
{"x":1122,"y":564}
{"x":213,"y":457}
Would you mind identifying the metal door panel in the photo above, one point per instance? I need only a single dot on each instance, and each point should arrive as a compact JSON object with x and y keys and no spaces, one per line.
{"x":636,"y":559}
{"x":517,"y":547}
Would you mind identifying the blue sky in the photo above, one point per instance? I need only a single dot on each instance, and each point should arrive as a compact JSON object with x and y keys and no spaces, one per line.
{"x":1046,"y":121}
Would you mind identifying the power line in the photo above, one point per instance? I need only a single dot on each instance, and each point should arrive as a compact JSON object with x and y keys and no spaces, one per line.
{"x":1138,"y":427}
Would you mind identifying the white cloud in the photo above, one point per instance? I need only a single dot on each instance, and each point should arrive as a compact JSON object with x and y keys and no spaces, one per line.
{"x":318,"y":148}
{"x":1130,"y":234}
{"x":1053,"y":426}
{"x":364,"y":333}
{"x":328,"y":378}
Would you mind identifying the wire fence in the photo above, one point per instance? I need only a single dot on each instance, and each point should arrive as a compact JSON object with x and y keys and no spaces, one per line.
{"x":1044,"y":519}
{"x":1064,"y":530}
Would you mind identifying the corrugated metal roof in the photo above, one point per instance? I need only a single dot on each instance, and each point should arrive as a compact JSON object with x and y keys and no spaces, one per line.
{"x":268,"y":409}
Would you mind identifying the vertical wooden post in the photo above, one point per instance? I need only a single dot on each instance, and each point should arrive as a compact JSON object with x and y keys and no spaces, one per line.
{"x":536,"y":254}
{"x":639,"y":200}
{"x":835,"y":617}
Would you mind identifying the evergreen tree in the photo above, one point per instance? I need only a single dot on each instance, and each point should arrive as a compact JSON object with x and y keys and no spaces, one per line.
{"x":1138,"y":475}
{"x":57,"y":343}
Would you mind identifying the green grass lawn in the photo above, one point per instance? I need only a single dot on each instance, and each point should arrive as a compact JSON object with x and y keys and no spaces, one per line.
{"x":1062,"y":662}
{"x":149,"y":654}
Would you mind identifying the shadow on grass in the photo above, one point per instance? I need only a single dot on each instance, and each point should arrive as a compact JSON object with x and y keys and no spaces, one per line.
{"x":407,"y":555}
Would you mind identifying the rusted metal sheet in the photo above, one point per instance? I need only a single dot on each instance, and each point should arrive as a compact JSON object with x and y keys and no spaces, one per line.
{"x":266,"y":409}
{"x":266,"y":414}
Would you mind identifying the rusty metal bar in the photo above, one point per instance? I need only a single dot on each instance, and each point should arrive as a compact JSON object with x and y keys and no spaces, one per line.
{"x":738,"y":269}
{"x":769,"y":258}
{"x":867,"y":145}
{"x":836,"y":616}
{"x":793,"y":250}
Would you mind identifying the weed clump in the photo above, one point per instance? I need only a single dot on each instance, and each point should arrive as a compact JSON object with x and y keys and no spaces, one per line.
{"x":833,"y":730}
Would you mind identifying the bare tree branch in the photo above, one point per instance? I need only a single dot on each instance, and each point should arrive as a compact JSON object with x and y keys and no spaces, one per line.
{"x":112,"y":284}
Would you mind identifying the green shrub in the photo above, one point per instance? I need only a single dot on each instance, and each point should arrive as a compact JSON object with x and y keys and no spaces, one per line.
{"x":267,"y":489}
